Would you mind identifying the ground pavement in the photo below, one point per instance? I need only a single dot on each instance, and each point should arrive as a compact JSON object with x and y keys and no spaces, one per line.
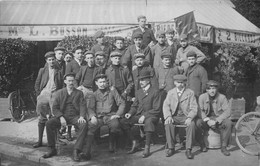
{"x":16,"y":141}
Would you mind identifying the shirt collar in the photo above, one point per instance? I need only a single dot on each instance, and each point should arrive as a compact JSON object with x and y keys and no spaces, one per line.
{"x":180,"y":91}
{"x":77,"y":61}
{"x":147,"y":87}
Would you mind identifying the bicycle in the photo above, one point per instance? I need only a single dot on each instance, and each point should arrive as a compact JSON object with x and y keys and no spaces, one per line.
{"x":22,"y":101}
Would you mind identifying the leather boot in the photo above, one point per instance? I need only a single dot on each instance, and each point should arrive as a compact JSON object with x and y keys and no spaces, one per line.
{"x":76,"y":155}
{"x":188,"y":154}
{"x":40,"y":135}
{"x":111,"y":142}
{"x":86,"y":155}
{"x":225,"y":151}
{"x":69,"y":138}
{"x":52,"y":152}
{"x":146,"y":151}
{"x":134,"y":148}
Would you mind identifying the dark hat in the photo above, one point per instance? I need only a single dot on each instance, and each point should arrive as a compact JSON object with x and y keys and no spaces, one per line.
{"x":99,"y":34}
{"x":100,"y":76}
{"x":68,"y":52}
{"x":191,"y":54}
{"x":166,"y":54}
{"x":139,"y":55}
{"x":69,"y":75}
{"x":160,"y":33}
{"x":141,"y":16}
{"x":119,"y":38}
{"x":49,"y":54}
{"x":137,"y":35}
{"x":115,"y":54}
{"x":212,"y":83}
{"x":59,"y":48}
{"x":183,"y":37}
{"x":89,"y":52}
{"x":144,"y":74}
{"x":170,"y":31}
{"x":101,"y":53}
{"x":180,"y":78}
{"x":77,"y":48}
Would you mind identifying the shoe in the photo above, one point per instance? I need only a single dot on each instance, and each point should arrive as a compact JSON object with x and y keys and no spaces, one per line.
{"x":203,"y":148}
{"x":53,"y":152}
{"x":85,"y":156}
{"x":188,"y":154}
{"x":170,"y":152}
{"x":134,"y":148}
{"x":146,"y":151}
{"x":37,"y":145}
{"x":76,"y":155}
{"x":225,"y":151}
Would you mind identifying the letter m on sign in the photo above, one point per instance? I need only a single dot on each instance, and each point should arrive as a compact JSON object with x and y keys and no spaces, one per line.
{"x":185,"y":24}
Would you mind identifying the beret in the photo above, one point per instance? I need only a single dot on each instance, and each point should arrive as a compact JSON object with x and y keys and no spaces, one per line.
{"x":170,"y":31}
{"x":166,"y":54}
{"x":101,"y":53}
{"x":160,"y":33}
{"x":212,"y":83}
{"x":139,"y":55}
{"x":183,"y":37}
{"x":144,"y":74}
{"x":59,"y":48}
{"x":69,"y":74}
{"x":77,"y":48}
{"x":49,"y":54}
{"x":119,"y":38}
{"x":99,"y":34}
{"x":191,"y":54}
{"x":137,"y":35}
{"x":89,"y":52}
{"x":100,"y":76}
{"x":115,"y":54}
{"x":180,"y":77}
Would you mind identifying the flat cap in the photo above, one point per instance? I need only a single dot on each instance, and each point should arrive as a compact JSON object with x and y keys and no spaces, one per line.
{"x":100,"y":76}
{"x":77,"y":48}
{"x":59,"y":48}
{"x":137,"y":35}
{"x":69,"y":75}
{"x":183,"y":37}
{"x":68,"y":52}
{"x":89,"y":52}
{"x":160,"y":33}
{"x":119,"y":38}
{"x":99,"y":34}
{"x":115,"y":54}
{"x":144,"y":74}
{"x":180,"y":78}
{"x":166,"y":54}
{"x":139,"y":55}
{"x":191,"y":54}
{"x":170,"y":30}
{"x":100,"y":53}
{"x":49,"y":54}
{"x":212,"y":83}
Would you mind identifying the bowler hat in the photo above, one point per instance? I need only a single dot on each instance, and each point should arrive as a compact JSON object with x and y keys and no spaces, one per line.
{"x":144,"y":74}
{"x":115,"y":54}
{"x":99,"y":34}
{"x":139,"y":55}
{"x":100,"y":76}
{"x":180,"y":78}
{"x":49,"y":54}
{"x":191,"y":54}
{"x":59,"y":48}
{"x":183,"y":37}
{"x":137,"y":35}
{"x":212,"y":83}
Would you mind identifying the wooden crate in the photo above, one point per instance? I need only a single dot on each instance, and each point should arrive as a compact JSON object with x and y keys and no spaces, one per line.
{"x":238,"y":107}
{"x":4,"y":109}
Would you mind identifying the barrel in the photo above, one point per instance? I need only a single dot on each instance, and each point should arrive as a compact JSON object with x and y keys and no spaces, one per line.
{"x":213,"y":140}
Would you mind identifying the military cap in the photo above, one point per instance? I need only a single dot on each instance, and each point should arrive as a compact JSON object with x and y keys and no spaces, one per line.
{"x":183,"y":37}
{"x":69,"y":75}
{"x":100,"y":53}
{"x":166,"y":54}
{"x":212,"y":83}
{"x":180,"y":78}
{"x":144,"y":74}
{"x":77,"y":48}
{"x":137,"y":35}
{"x":170,"y":31}
{"x":119,"y":38}
{"x":160,"y":33}
{"x":139,"y":55}
{"x":99,"y":34}
{"x":100,"y":76}
{"x":191,"y":54}
{"x":59,"y":48}
{"x":49,"y":54}
{"x":140,"y":17}
{"x":115,"y":54}
{"x":89,"y":52}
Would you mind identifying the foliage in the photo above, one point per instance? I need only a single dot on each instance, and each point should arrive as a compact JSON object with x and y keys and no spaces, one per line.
{"x":14,"y":54}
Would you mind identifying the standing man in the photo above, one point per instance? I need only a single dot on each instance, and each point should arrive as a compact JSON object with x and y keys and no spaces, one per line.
{"x":181,"y":57}
{"x":59,"y":54}
{"x":48,"y":81}
{"x":196,"y":74}
{"x":215,"y":113}
{"x":69,"y":107}
{"x":148,"y":34}
{"x":74,"y":65}
{"x":180,"y":108}
{"x":170,"y":33}
{"x":145,"y":110}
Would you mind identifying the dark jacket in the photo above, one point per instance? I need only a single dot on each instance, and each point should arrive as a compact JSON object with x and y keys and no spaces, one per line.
{"x":73,"y":66}
{"x":147,"y":104}
{"x":43,"y":78}
{"x":148,"y":35}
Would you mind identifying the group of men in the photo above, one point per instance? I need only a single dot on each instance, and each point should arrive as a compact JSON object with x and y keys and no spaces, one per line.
{"x":148,"y":81}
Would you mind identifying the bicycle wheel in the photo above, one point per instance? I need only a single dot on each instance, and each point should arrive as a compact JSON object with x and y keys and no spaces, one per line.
{"x":248,"y":133}
{"x":15,"y":107}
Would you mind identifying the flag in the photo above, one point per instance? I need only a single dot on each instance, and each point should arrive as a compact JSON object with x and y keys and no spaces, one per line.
{"x":186,"y":24}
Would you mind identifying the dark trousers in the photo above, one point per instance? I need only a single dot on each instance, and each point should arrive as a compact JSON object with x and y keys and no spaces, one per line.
{"x":225,"y":128}
{"x":191,"y":135}
{"x":54,"y":124}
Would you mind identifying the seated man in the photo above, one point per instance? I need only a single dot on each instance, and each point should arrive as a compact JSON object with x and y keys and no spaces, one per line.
{"x":69,"y":107}
{"x":180,"y":108}
{"x":215,"y":113}
{"x":108,"y":107}
{"x":145,"y":110}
